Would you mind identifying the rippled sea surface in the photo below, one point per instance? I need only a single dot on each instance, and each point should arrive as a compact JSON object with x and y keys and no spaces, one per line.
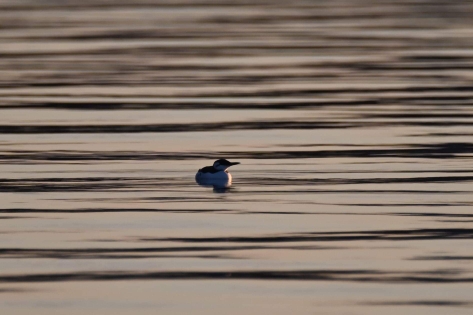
{"x":352,"y":120}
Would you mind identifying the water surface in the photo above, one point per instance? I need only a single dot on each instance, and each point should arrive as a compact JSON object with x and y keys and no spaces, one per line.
{"x":352,"y":120}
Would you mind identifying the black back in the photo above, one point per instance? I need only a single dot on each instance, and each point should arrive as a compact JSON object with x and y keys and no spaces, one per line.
{"x":208,"y":169}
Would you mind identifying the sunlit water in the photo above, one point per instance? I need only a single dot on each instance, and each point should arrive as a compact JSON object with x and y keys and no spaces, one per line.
{"x":352,"y":122}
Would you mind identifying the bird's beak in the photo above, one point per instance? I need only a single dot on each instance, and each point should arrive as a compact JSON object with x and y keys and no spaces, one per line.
{"x":234,"y":163}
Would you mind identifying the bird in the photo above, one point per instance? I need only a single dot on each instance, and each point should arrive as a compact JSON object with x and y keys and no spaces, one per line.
{"x":215,"y":175}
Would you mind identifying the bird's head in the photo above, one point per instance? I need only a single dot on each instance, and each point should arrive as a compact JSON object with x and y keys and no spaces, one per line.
{"x":223,"y":164}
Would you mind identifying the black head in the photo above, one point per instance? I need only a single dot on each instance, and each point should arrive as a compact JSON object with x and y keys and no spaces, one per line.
{"x":223,"y":164}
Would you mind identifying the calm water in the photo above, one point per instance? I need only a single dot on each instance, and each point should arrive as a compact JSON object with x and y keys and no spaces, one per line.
{"x":353,"y":121}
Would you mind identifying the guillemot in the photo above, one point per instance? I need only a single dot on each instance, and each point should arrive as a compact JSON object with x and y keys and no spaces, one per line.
{"x":215,"y":175}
